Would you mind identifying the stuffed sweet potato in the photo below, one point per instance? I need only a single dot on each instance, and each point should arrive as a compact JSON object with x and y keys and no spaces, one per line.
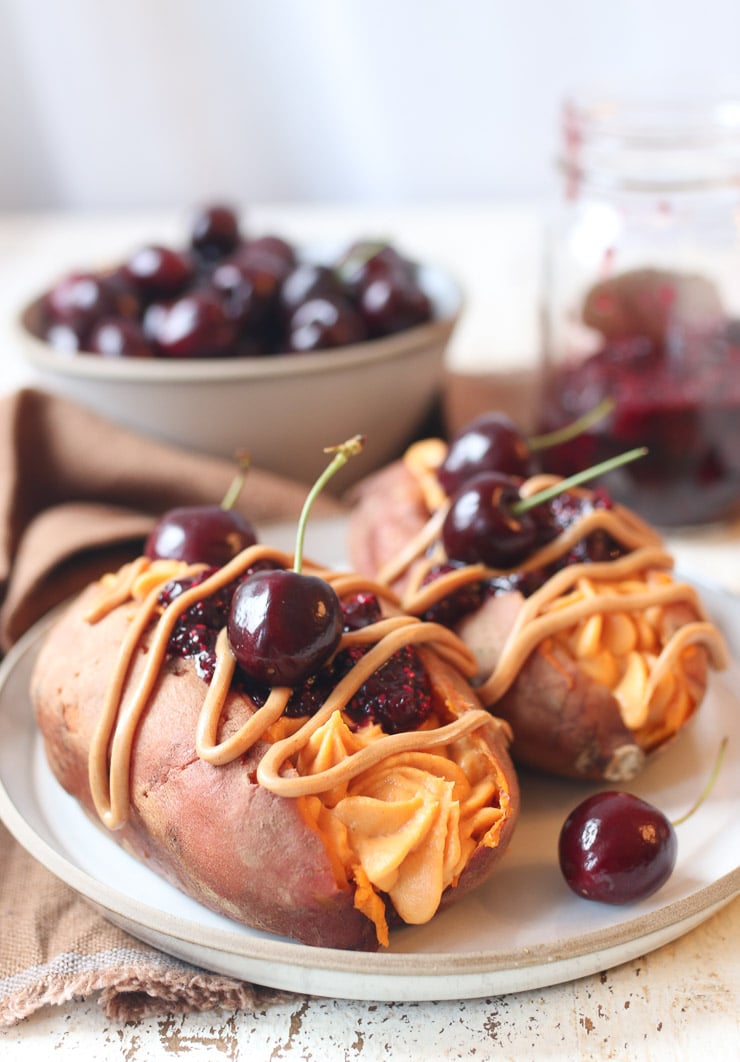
{"x":589,"y":647}
{"x":316,"y":813}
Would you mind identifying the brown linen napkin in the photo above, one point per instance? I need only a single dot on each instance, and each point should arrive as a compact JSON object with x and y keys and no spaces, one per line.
{"x":77,"y":496}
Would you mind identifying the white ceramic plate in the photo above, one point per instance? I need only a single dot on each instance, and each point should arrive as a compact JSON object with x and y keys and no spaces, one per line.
{"x":523,"y":930}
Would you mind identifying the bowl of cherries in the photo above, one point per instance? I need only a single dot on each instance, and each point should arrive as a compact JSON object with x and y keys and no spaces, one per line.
{"x":240,"y":341}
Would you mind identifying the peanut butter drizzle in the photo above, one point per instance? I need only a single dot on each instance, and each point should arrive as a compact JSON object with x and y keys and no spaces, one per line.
{"x":112,"y":744}
{"x":534,"y":622}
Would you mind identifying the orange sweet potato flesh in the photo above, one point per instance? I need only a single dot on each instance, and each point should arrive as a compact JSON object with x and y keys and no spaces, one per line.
{"x":212,"y":831}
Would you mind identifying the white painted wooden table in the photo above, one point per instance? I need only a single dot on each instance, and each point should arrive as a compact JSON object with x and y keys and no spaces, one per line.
{"x":679,"y":1002}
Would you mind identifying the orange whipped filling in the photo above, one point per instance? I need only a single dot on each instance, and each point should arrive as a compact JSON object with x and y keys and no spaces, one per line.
{"x":400,"y":814}
{"x":611,"y":617}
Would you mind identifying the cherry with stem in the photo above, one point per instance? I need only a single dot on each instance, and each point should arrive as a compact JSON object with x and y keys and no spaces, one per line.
{"x":283,"y":624}
{"x":205,"y":534}
{"x":616,"y":848}
{"x":488,"y":521}
{"x":493,"y":442}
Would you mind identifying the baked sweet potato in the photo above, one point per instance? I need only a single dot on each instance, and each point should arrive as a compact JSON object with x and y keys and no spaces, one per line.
{"x":594,"y":664}
{"x":319,"y":828}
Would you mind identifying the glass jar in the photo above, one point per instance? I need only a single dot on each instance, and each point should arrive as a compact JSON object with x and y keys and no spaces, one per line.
{"x":642,"y":303}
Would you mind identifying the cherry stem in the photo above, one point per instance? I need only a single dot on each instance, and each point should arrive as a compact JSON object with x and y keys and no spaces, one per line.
{"x":342,"y":454}
{"x":707,"y":788}
{"x":235,"y":489}
{"x":562,"y":485}
{"x":358,"y":256}
{"x":570,"y":431}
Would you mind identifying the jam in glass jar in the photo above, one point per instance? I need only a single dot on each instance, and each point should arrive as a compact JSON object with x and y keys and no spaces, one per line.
{"x":643,"y":303}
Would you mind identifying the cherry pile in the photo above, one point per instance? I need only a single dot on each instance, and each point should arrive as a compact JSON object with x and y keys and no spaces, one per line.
{"x":482,"y":473}
{"x":231,"y":294}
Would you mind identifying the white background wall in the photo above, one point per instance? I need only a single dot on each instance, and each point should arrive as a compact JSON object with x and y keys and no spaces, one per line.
{"x":161,"y":103}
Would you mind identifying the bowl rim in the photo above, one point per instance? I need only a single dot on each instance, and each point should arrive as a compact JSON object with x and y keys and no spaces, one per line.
{"x":442,"y":286}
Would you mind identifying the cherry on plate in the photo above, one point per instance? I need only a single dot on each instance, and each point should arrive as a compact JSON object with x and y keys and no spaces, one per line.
{"x":616,"y":848}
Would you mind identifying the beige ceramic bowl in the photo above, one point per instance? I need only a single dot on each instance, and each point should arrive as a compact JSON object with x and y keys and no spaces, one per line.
{"x":282,"y":409}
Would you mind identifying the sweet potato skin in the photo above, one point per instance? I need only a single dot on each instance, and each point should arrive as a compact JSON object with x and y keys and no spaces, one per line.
{"x":213,"y":831}
{"x":566,"y":723}
{"x":388,"y":509}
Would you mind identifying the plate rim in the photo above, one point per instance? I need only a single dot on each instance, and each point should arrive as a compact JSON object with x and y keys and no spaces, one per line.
{"x":429,"y":969}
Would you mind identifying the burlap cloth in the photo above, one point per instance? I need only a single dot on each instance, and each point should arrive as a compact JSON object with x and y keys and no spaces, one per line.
{"x":77,"y":496}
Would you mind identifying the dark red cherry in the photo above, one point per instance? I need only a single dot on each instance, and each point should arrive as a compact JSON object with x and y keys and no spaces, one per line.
{"x":308,"y":280}
{"x":204,"y":534}
{"x":491,"y":442}
{"x":481,"y":526}
{"x":247,"y":292}
{"x":78,"y":301}
{"x":119,"y":337}
{"x":159,"y":272}
{"x":272,"y":253}
{"x":323,"y":322}
{"x":616,"y":848}
{"x":367,"y":259}
{"x":391,"y":300}
{"x":283,"y":625}
{"x":215,"y":232}
{"x":200,"y":534}
{"x":194,"y":326}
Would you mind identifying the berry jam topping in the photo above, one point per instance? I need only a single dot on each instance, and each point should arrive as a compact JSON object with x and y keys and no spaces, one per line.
{"x":360,"y":611}
{"x":194,"y":634}
{"x":453,"y":607}
{"x":397,"y":696}
{"x":565,"y":509}
{"x":450,"y":609}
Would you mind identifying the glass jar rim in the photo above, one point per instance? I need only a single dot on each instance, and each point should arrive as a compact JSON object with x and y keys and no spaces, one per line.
{"x":644,"y":143}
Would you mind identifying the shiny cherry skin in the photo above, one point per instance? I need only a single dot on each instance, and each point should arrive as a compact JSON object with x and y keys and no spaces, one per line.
{"x":308,"y":280}
{"x":391,"y":300}
{"x":365,"y":260}
{"x":200,"y":534}
{"x":78,"y":301}
{"x":272,"y":253}
{"x":491,"y":442}
{"x":158,"y":272}
{"x":119,"y":337}
{"x":215,"y":232}
{"x":616,"y":848}
{"x":283,"y":625}
{"x":247,"y":292}
{"x":324,"y":322}
{"x":481,"y":526}
{"x":193,"y":326}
